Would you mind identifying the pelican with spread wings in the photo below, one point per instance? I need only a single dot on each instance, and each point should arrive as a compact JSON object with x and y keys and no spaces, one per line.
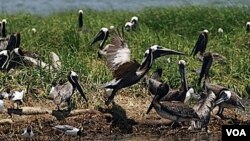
{"x":127,"y":72}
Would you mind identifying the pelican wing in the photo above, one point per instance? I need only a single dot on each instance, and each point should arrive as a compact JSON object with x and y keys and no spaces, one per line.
{"x":179,"y":109}
{"x":65,"y":90}
{"x":118,"y":57}
{"x":200,"y":44}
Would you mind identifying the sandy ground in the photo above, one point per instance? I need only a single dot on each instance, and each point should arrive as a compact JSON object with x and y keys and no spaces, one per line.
{"x":125,"y":120}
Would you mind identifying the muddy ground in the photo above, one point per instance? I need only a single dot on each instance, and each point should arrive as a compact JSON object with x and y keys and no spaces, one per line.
{"x":125,"y":119}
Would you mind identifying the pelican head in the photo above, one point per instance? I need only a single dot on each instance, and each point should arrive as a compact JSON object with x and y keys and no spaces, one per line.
{"x":159,"y":51}
{"x":128,"y":26}
{"x":73,"y":79}
{"x":104,"y":29}
{"x":80,"y":12}
{"x":205,"y":31}
{"x":224,"y":96}
{"x":248,"y":26}
{"x":134,"y":19}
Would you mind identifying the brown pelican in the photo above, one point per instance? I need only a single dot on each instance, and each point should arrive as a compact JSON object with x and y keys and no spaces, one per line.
{"x":62,"y":93}
{"x":248,"y":27}
{"x":80,"y":19}
{"x":225,"y":98}
{"x":3,"y":28}
{"x":201,"y":46}
{"x":176,"y":111}
{"x":201,"y":43}
{"x":127,"y":72}
{"x":203,"y":109}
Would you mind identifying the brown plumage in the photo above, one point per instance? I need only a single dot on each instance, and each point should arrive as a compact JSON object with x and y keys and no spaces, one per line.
{"x":225,"y":98}
{"x":125,"y":71}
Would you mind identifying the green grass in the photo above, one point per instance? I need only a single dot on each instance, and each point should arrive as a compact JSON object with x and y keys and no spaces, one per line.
{"x":175,"y":28}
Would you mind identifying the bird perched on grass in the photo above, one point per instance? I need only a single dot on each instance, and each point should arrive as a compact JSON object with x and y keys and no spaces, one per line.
{"x":248,"y":27}
{"x":201,"y":45}
{"x":225,"y":98}
{"x":80,"y":20}
{"x":132,"y":24}
{"x":3,"y":28}
{"x":62,"y":92}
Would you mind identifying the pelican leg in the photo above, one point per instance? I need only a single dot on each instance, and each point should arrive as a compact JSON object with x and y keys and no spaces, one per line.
{"x":220,"y":112}
{"x":111,"y":97}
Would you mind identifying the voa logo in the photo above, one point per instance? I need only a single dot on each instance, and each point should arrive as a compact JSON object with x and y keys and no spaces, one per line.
{"x":236,"y":132}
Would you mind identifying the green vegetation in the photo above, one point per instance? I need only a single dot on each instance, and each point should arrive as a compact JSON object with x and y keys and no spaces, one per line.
{"x":175,"y":28}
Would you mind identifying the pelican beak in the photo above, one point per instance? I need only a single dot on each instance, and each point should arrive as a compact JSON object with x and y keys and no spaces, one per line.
{"x":207,"y":63}
{"x":164,"y":51}
{"x":151,"y":104}
{"x":79,"y":88}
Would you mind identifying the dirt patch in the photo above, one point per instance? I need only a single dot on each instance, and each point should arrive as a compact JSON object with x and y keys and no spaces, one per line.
{"x":126,"y":118}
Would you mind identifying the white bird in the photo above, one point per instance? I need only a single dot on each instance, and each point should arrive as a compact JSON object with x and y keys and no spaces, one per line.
{"x":17,"y":97}
{"x":28,"y":133}
{"x":220,"y":30}
{"x":68,"y":130}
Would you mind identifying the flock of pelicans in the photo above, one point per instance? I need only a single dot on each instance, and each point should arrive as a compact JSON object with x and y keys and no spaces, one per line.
{"x":168,"y":103}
